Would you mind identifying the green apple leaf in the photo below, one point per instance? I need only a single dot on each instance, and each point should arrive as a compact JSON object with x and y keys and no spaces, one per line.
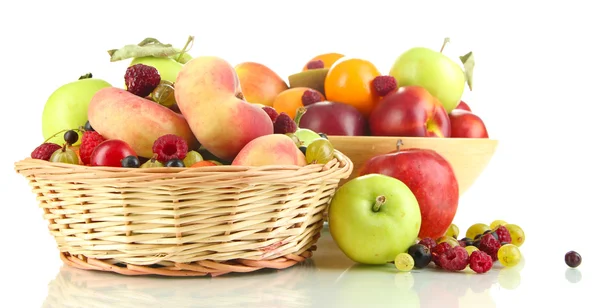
{"x":469,"y":64}
{"x":147,"y":47}
{"x":86,"y":76}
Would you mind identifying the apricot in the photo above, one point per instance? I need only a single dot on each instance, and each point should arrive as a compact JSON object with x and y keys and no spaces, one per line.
{"x":328,"y":59}
{"x":275,"y":149}
{"x":204,"y":163}
{"x":350,"y":81}
{"x":290,"y":100}
{"x":259,"y":84}
{"x":117,"y":114}
{"x":206,"y":91}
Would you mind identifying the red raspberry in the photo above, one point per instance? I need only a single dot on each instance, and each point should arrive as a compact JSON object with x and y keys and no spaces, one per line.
{"x":168,"y":147}
{"x":315,"y":64}
{"x":503,"y":234}
{"x":438,"y":251}
{"x":271,"y":112}
{"x":454,"y":259}
{"x":490,"y":245}
{"x":384,"y":85}
{"x":141,"y":79}
{"x":45,"y":150}
{"x":429,"y":242}
{"x":480,"y":262}
{"x":310,"y":97}
{"x":89,"y":141}
{"x":284,"y":124}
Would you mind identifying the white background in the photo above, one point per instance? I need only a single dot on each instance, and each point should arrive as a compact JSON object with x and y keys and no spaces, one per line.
{"x":536,"y":87}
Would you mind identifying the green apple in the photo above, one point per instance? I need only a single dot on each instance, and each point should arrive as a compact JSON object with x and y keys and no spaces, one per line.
{"x":373,"y":218}
{"x":168,"y":68}
{"x":432,"y":70}
{"x":67,"y":107}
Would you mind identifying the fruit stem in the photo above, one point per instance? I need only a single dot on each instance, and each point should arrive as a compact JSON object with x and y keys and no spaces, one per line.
{"x":379,"y":201}
{"x":62,"y":131}
{"x":299,"y":113}
{"x":446,"y":41}
{"x":184,"y":49}
{"x":399,"y":143}
{"x":86,"y":76}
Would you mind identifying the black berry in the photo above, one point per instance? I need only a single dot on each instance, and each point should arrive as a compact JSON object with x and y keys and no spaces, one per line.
{"x":88,"y":127}
{"x":131,"y":161}
{"x":467,"y":241}
{"x":420,"y":254}
{"x":302,"y":149}
{"x":573,"y":259}
{"x":175,"y":163}
{"x":323,"y":135}
{"x":71,"y":137}
{"x":494,"y":234}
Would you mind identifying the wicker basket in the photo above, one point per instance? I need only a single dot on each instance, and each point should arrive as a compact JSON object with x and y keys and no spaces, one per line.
{"x":184,"y":222}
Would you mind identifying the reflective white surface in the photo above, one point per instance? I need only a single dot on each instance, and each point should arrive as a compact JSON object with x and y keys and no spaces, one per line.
{"x":330,"y":279}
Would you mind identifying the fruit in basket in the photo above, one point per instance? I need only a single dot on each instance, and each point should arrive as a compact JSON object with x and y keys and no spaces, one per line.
{"x":312,"y":79}
{"x":290,"y":100}
{"x":65,"y":155}
{"x":206,"y":92}
{"x":164,"y":94}
{"x":373,"y":218}
{"x":191,"y":158}
{"x":259,"y":83}
{"x":306,"y":136}
{"x":44,"y":151}
{"x":130,"y":161}
{"x":384,"y":85}
{"x":325,"y":60}
{"x":284,"y":124}
{"x":167,"y":67}
{"x":67,"y":107}
{"x":430,"y":177}
{"x":117,"y":114}
{"x":89,"y":141}
{"x":273,"y":149}
{"x":465,"y":124}
{"x":335,"y":119}
{"x":350,"y":81}
{"x":141,"y":79}
{"x":110,"y":153}
{"x":152,"y":163}
{"x":319,"y":151}
{"x":441,"y":76}
{"x":410,"y":112}
{"x":168,"y":147}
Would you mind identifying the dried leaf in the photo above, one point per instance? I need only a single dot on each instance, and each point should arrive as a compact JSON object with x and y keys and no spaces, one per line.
{"x":469,"y":64}
{"x":147,"y":47}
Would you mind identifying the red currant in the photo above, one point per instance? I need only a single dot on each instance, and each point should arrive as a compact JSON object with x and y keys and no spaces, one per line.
{"x":109,"y":153}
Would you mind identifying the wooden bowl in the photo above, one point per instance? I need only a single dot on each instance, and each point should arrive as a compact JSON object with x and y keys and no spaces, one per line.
{"x":468,"y":156}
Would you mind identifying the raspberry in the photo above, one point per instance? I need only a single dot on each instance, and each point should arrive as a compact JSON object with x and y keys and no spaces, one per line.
{"x":168,"y":147}
{"x":141,"y":79}
{"x":454,"y":259}
{"x":438,"y":251}
{"x":490,"y":245}
{"x":384,"y":85}
{"x":89,"y":141}
{"x":310,"y":97}
{"x":271,"y":112}
{"x":480,"y":262}
{"x":45,"y":150}
{"x":315,"y":64}
{"x":284,"y":124}
{"x":429,"y":242}
{"x":503,"y":234}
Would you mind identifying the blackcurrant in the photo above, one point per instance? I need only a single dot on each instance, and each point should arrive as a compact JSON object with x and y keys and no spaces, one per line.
{"x":302,"y":149}
{"x":467,"y":241}
{"x":323,"y":135}
{"x":71,"y":137}
{"x":130,"y":161}
{"x":175,"y":163}
{"x":88,"y":127}
{"x":573,"y":259}
{"x":420,"y":254}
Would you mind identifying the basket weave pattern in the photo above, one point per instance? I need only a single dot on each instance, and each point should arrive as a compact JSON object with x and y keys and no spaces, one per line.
{"x":181,"y":222}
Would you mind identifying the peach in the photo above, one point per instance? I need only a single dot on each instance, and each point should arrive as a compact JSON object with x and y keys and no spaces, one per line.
{"x":117,"y":114}
{"x":290,"y":100}
{"x":259,"y":83}
{"x":275,"y":149}
{"x":207,"y":94}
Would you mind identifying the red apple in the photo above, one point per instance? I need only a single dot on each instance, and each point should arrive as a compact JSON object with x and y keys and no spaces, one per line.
{"x":466,"y":124}
{"x":431,"y":179}
{"x":463,"y":106}
{"x":410,"y":112}
{"x":334,"y":119}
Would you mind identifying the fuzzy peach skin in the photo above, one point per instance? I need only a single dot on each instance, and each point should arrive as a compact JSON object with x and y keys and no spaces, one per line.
{"x":259,"y":84}
{"x":275,"y":149}
{"x":117,"y":114}
{"x":206,"y":90}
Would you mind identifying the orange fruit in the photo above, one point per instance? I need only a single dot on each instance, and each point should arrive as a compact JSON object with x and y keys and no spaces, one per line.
{"x":203,"y":163}
{"x":327,"y":58}
{"x":349,"y":81}
{"x":290,"y":100}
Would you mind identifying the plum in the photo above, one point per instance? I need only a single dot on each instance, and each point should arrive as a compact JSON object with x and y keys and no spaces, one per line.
{"x":334,"y":119}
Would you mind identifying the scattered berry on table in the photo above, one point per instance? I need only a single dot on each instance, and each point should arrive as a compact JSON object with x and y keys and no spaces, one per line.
{"x":480,"y":262}
{"x":284,"y":124}
{"x":141,"y":79}
{"x":170,"y":146}
{"x":384,"y":85}
{"x":421,"y":255}
{"x":429,"y":242}
{"x":439,"y":250}
{"x":509,"y":255}
{"x":130,"y":161}
{"x":503,"y":234}
{"x":71,"y":137}
{"x":466,"y":242}
{"x":89,"y":141}
{"x":496,"y":223}
{"x":470,"y":249}
{"x":493,"y":233}
{"x":490,"y":245}
{"x":404,"y":262}
{"x":448,"y":239}
{"x":454,"y":259}
{"x":516,"y":234}
{"x":573,"y":259}
{"x":271,"y":112}
{"x":45,"y":150}
{"x":476,"y":229}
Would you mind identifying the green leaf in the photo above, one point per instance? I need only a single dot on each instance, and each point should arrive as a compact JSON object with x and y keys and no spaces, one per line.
{"x":86,"y":76}
{"x":469,"y":64}
{"x":147,"y":47}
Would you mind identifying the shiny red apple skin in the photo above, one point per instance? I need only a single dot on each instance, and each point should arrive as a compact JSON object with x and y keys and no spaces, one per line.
{"x":465,"y":124}
{"x":463,"y":106}
{"x":334,"y":119}
{"x":432,"y":180}
{"x":410,"y":112}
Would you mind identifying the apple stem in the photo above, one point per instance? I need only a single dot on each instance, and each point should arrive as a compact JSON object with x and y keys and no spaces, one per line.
{"x":299,"y":113}
{"x":399,"y":143}
{"x":184,"y":49}
{"x":379,"y":201}
{"x":446,"y":41}
{"x":240,"y":95}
